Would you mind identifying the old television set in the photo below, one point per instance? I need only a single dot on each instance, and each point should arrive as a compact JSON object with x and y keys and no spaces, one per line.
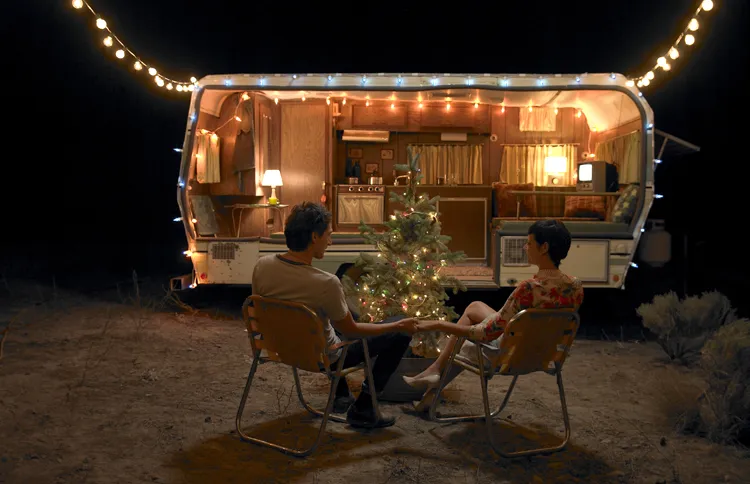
{"x":597,"y":176}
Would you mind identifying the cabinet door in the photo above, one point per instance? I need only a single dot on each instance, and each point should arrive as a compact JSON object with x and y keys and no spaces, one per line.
{"x":465,"y":221}
{"x":455,"y":117}
{"x":379,"y":117}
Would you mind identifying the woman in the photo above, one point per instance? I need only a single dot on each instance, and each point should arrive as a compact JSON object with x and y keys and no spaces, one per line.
{"x":548,"y":244}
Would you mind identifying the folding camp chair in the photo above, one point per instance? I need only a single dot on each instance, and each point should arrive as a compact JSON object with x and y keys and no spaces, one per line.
{"x":292,"y":334}
{"x":534,"y":340}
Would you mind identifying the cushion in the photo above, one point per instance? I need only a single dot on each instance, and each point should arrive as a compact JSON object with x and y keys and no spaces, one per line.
{"x":594,"y":207}
{"x":625,"y":206}
{"x":505,"y":202}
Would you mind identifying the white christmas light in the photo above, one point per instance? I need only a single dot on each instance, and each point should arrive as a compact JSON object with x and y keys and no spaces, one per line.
{"x":108,"y":41}
{"x":151,"y":71}
{"x":78,"y":4}
{"x":693,"y":25}
{"x":661,"y":61}
{"x":101,"y":23}
{"x":689,"y":39}
{"x":170,"y":86}
{"x":707,"y":5}
{"x":674,"y":53}
{"x":120,"y":54}
{"x":137,"y":66}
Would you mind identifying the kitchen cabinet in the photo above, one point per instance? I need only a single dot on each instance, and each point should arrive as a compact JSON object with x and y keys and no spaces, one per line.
{"x":455,"y":117}
{"x":465,"y":216}
{"x":379,"y":117}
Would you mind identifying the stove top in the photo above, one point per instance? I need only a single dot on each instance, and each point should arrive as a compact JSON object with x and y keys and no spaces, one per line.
{"x":360,"y":188}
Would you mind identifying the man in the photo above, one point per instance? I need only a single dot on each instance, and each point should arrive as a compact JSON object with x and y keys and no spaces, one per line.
{"x":292,"y":277}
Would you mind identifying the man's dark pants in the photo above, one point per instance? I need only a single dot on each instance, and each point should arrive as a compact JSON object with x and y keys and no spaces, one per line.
{"x":389,"y":348}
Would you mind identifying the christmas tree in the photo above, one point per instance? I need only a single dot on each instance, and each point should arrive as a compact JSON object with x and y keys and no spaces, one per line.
{"x":404,"y":277}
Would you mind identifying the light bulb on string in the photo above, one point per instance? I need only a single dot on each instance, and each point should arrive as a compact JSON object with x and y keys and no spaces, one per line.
{"x":108,"y":41}
{"x":674,"y":53}
{"x":78,"y":4}
{"x":693,"y":25}
{"x":151,"y":71}
{"x":120,"y":54}
{"x":707,"y":5}
{"x":689,"y":39}
{"x":101,"y":23}
{"x":649,"y":75}
{"x":137,"y":66}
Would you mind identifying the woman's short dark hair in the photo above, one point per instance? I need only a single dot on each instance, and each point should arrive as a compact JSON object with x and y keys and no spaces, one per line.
{"x":556,"y":235}
{"x":305,"y":218}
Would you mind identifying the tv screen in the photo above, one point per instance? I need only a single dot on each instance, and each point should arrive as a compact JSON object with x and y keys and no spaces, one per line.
{"x":585,"y":172}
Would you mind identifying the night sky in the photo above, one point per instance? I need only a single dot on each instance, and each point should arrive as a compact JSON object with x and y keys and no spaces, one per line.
{"x":90,"y":180}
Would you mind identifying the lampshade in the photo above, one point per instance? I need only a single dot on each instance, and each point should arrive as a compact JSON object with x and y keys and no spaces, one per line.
{"x":272,"y":178}
{"x":556,"y":164}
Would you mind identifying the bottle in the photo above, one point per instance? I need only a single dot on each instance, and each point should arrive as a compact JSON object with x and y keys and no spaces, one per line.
{"x":356,"y":169}
{"x":348,"y":168}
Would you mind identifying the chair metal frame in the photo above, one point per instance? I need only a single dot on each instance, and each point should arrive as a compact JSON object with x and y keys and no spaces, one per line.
{"x":294,"y":309}
{"x":504,"y":366}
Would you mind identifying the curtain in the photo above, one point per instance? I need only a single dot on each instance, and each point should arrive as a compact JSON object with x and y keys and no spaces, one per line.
{"x":461,"y":162}
{"x":207,"y":158}
{"x":625,"y":153}
{"x":525,"y":164}
{"x":538,"y":119}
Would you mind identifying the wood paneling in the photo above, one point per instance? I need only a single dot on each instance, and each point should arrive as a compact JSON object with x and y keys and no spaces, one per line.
{"x":505,"y":125}
{"x":303,"y":151}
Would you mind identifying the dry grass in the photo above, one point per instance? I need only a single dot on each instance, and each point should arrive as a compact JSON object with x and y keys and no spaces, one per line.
{"x":677,"y":396}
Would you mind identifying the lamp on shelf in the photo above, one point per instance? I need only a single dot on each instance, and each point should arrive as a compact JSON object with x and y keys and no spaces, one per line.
{"x":272,"y":178}
{"x":555,"y":167}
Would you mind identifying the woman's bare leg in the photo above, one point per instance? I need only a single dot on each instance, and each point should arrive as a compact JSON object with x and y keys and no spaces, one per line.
{"x":475,"y":313}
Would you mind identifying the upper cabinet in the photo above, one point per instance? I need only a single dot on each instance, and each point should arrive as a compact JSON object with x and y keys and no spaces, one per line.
{"x":458,"y":116}
{"x":379,"y":117}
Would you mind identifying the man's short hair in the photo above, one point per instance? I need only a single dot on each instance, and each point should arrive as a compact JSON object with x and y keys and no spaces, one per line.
{"x":554,"y":233}
{"x":305,"y":218}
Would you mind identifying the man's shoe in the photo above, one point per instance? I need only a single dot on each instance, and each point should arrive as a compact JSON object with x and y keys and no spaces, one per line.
{"x":367,"y":419}
{"x":342,"y":404}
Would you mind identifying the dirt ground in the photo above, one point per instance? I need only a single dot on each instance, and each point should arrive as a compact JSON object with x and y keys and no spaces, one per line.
{"x":101,"y":392}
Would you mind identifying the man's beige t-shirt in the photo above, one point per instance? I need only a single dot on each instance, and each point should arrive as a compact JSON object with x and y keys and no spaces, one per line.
{"x":289,"y":280}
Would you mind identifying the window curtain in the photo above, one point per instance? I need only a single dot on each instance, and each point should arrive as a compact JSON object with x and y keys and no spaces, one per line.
{"x":525,"y":164}
{"x":462,"y":162}
{"x":625,"y":153}
{"x":207,"y":158}
{"x":538,"y":119}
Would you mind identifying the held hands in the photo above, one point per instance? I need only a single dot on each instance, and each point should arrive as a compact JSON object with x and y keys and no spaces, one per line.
{"x":408,"y":325}
{"x":413,"y":325}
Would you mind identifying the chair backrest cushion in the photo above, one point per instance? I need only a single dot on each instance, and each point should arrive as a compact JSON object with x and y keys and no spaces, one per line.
{"x":537,"y":340}
{"x":290,"y":332}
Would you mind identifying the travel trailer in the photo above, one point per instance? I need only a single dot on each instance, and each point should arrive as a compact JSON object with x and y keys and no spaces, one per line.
{"x":501,"y":151}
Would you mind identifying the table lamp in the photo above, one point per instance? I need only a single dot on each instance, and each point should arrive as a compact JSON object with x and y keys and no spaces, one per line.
{"x":272,"y":178}
{"x":555,"y":167}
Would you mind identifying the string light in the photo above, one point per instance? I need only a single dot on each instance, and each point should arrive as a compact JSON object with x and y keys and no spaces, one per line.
{"x":122,"y":51}
{"x":673,"y":53}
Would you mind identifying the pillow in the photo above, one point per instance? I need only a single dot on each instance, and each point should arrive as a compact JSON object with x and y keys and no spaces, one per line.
{"x":505,"y":202}
{"x":593,"y":207}
{"x":625,"y":205}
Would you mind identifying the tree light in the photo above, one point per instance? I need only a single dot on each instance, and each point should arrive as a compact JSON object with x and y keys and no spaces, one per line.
{"x":101,"y":23}
{"x":108,"y":41}
{"x":693,"y":25}
{"x":120,"y":54}
{"x":137,"y":66}
{"x":674,"y":53}
{"x":706,"y":5}
{"x":689,"y":39}
{"x":79,"y":4}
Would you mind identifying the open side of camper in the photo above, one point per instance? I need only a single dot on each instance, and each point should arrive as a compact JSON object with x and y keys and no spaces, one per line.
{"x":500,"y":151}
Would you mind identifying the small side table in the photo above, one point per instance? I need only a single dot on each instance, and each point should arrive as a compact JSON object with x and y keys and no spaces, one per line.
{"x":242,"y":206}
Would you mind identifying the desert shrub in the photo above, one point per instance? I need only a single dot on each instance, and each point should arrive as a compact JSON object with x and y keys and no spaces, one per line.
{"x":725,"y":410}
{"x":683,"y":326}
